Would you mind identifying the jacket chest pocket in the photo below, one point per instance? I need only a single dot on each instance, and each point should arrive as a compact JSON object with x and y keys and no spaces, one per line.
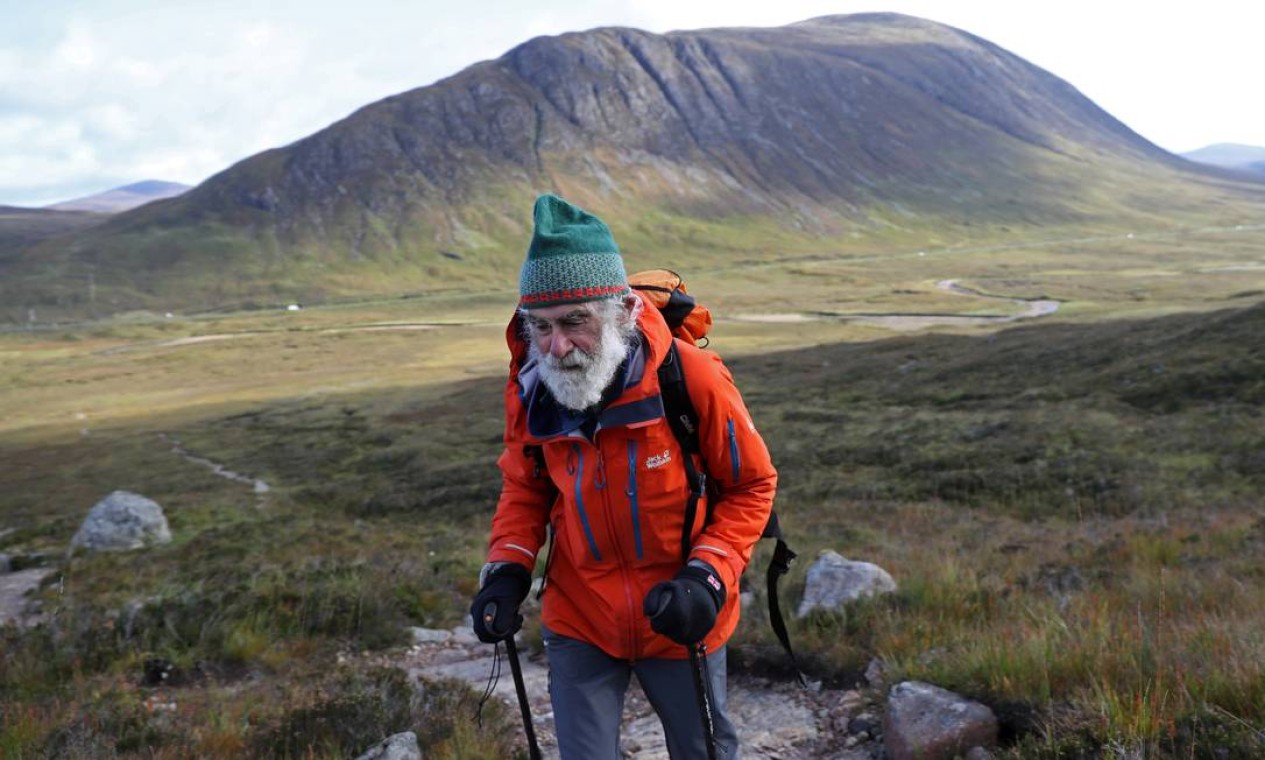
{"x":656,"y":488}
{"x":576,"y":472}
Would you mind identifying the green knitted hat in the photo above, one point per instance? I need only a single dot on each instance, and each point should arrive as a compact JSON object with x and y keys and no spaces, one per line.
{"x":572,"y":258}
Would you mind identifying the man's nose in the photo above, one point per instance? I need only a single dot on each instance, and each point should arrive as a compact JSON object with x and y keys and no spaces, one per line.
{"x":559,"y":345}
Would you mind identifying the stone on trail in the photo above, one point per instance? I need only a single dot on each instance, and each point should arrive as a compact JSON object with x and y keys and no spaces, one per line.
{"x":926,"y":722}
{"x":398,"y":747}
{"x":430,"y":635}
{"x":834,"y":581}
{"x":123,"y":521}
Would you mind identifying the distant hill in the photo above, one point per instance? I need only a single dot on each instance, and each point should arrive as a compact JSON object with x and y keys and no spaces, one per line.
{"x":830,"y":134}
{"x":1250,"y":158}
{"x":123,"y":198}
{"x":23,"y":227}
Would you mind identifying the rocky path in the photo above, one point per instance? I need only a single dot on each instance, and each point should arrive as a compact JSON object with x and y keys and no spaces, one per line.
{"x":775,"y":720}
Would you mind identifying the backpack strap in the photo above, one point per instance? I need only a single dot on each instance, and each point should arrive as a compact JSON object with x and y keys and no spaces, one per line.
{"x":684,"y":423}
{"x":778,"y":566}
{"x":683,"y":419}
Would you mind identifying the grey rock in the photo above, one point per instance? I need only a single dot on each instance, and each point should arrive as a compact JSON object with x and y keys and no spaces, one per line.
{"x":770,"y":723}
{"x":926,"y":722}
{"x":464,"y":635}
{"x":398,"y":747}
{"x":123,"y":521}
{"x":15,"y":589}
{"x":430,"y":636}
{"x":862,"y":724}
{"x":845,"y":710}
{"x":978,"y":753}
{"x":834,"y":581}
{"x":6,"y":563}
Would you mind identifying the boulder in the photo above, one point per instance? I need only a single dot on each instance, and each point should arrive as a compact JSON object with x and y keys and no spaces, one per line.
{"x":834,"y":581}
{"x":6,"y":563}
{"x":123,"y":521}
{"x":925,"y":722}
{"x":398,"y":747}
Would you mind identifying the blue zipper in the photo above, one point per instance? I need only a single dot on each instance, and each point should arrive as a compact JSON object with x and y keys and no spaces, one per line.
{"x":632,"y":494}
{"x":579,"y":501}
{"x":733,"y":450}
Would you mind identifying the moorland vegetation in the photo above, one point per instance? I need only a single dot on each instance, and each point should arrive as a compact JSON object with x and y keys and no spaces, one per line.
{"x":1071,"y":508}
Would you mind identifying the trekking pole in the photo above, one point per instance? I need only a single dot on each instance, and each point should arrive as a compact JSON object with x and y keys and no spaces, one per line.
{"x":698,"y":653}
{"x":516,"y":668}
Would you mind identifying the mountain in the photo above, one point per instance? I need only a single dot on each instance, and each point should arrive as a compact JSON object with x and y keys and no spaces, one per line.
{"x":832,"y":134}
{"x":1248,"y":158}
{"x":23,"y":227}
{"x":123,"y":198}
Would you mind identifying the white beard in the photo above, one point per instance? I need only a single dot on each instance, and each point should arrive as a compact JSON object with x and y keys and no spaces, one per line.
{"x":578,"y":379}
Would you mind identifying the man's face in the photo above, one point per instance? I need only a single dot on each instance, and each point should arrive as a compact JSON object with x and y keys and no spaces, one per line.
{"x":556,"y":330}
{"x":579,"y":348}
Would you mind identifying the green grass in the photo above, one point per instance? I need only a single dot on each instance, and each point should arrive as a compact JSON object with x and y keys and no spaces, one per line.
{"x":1071,"y":508}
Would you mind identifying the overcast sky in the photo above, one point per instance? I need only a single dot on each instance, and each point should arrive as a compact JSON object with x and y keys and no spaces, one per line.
{"x":100,"y":93}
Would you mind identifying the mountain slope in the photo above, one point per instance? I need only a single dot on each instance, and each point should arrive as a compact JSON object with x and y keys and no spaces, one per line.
{"x":123,"y":198}
{"x":21,"y":227}
{"x":715,"y":142}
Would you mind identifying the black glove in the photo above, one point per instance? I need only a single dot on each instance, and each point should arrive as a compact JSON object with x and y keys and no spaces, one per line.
{"x":684,"y":609}
{"x":495,"y":609}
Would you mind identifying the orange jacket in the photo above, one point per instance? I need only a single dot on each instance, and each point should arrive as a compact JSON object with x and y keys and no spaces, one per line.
{"x":617,"y":502}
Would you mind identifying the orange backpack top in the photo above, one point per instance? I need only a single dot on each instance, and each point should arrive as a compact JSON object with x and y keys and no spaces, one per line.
{"x":688,"y":319}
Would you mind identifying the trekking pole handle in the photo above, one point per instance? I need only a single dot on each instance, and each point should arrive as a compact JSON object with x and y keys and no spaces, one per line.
{"x":516,"y":669}
{"x":489,"y":615}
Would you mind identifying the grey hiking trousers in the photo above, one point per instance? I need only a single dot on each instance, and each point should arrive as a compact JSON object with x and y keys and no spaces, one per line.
{"x":587,"y":688}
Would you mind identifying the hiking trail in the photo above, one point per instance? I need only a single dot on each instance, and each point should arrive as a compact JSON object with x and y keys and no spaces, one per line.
{"x":775,"y":719}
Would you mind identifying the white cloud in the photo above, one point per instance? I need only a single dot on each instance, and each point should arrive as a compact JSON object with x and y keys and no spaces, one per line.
{"x":114,"y":122}
{"x":77,"y":51}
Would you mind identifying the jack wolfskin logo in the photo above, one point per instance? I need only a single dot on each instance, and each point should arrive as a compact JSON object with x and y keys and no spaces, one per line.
{"x":658,"y":460}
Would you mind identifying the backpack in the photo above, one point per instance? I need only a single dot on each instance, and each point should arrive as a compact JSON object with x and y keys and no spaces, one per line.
{"x":691,"y":321}
{"x":686,"y":318}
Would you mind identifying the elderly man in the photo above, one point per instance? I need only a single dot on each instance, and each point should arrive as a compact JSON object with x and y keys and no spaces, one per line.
{"x":591,"y":459}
